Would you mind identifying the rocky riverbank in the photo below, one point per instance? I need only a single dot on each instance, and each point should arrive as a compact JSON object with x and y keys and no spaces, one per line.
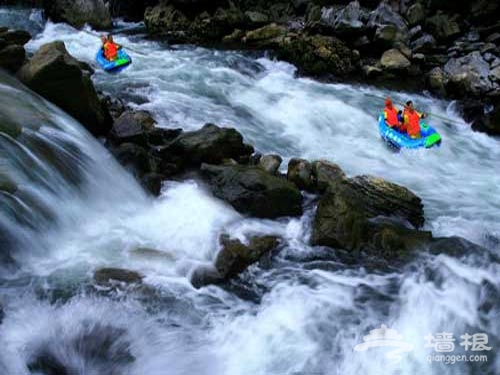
{"x":450,"y":49}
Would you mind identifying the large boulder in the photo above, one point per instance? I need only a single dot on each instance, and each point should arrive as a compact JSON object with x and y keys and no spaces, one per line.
{"x":57,"y":76}
{"x":468,"y":75}
{"x":394,"y":60}
{"x":318,"y":54}
{"x":132,"y":126}
{"x":253,"y":191}
{"x":79,"y":12}
{"x":368,"y":213}
{"x":326,"y":173}
{"x":211,"y":144}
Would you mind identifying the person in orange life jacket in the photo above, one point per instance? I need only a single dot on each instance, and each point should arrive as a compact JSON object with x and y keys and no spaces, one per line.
{"x":392,"y":116}
{"x":110,"y":47}
{"x":412,"y":120}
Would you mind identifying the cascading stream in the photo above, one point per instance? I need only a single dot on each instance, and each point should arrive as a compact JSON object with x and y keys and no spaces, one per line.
{"x":67,"y":208}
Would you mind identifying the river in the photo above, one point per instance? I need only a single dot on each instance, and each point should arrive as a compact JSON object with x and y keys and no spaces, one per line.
{"x":301,"y":312}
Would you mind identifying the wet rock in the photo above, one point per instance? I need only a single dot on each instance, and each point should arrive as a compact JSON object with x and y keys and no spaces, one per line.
{"x":415,"y":14}
{"x":454,"y":247}
{"x":105,"y":276}
{"x":79,"y":12}
{"x":442,"y":27}
{"x":205,"y":275}
{"x":12,"y":57}
{"x":15,"y":37}
{"x":211,"y":144}
{"x":57,"y":76}
{"x":235,"y":257}
{"x":135,"y":158}
{"x":483,"y":119}
{"x":394,"y":60}
{"x":300,"y":173}
{"x":160,"y":136}
{"x":270,"y":163}
{"x":152,"y":182}
{"x":325,"y":174}
{"x":132,"y":126}
{"x":368,"y":213}
{"x":251,"y":190}
{"x":468,"y":74}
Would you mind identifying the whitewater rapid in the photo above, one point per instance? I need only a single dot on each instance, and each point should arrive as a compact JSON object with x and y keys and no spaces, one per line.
{"x":301,"y":312}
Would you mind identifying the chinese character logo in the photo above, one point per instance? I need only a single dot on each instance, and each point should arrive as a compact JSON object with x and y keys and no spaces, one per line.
{"x":384,"y":336}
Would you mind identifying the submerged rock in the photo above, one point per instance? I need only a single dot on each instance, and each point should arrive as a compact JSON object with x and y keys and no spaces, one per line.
{"x":235,"y":256}
{"x":105,"y":276}
{"x":253,"y":191}
{"x":300,"y":173}
{"x":79,"y":12}
{"x":368,"y":213}
{"x":57,"y":76}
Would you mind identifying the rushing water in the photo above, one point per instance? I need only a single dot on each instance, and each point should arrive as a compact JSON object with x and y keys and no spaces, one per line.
{"x":302,"y":311}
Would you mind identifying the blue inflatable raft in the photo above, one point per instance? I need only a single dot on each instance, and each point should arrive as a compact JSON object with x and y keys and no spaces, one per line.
{"x":122,"y":61}
{"x":429,"y":136}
